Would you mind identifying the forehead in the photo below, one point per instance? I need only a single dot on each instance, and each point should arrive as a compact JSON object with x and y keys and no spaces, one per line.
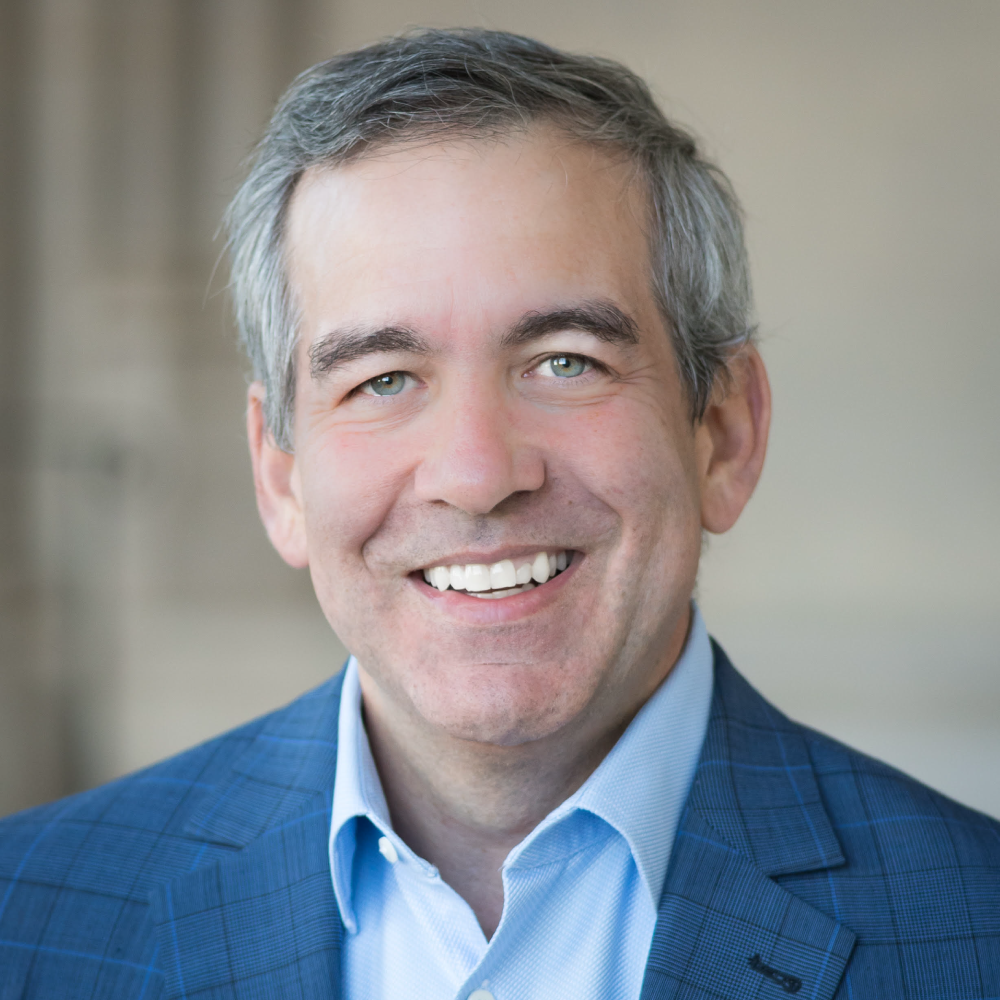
{"x":467,"y":232}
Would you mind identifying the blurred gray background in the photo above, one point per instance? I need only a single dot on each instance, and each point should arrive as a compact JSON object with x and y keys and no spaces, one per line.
{"x":141,"y":607}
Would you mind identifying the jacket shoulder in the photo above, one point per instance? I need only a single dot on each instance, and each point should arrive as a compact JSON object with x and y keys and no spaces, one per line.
{"x":869,"y":800}
{"x":75,"y":874}
{"x":915,"y":875}
{"x":155,"y":800}
{"x":859,"y":792}
{"x":921,"y":884}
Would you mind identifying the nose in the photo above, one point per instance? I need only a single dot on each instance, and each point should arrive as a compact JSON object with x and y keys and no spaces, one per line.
{"x":476,"y":457}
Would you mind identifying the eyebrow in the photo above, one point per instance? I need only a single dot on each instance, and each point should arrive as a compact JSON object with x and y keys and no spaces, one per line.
{"x":602,"y":319}
{"x":341,"y":347}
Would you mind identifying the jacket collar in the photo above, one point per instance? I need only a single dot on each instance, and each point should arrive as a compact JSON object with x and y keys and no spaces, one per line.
{"x":268,"y":914}
{"x":755,"y":782}
{"x":265,"y":917}
{"x":292,"y":759}
{"x":724,"y":926}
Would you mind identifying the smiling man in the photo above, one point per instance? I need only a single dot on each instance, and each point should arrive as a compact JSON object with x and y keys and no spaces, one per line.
{"x":499,"y":318}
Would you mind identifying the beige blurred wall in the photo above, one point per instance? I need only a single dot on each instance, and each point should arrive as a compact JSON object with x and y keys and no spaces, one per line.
{"x":141,"y":608}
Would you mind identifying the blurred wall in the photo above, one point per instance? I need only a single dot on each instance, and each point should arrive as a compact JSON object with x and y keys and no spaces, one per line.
{"x":141,"y":608}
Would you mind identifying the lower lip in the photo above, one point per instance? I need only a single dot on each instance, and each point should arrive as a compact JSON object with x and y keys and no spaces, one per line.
{"x":495,"y":610}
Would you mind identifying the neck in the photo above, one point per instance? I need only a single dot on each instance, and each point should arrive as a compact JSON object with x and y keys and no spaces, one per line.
{"x":463,"y":805}
{"x":464,"y":808}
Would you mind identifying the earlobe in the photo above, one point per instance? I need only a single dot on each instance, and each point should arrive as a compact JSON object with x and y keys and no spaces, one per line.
{"x":731,"y":443}
{"x":275,"y":483}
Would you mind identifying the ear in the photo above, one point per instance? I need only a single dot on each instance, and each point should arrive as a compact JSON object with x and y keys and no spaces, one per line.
{"x":730,"y":443}
{"x":275,"y":480}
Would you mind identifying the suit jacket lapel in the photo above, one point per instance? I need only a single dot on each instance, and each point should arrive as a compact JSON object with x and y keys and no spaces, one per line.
{"x":725,"y":928}
{"x":263,"y":921}
{"x":266,"y":920}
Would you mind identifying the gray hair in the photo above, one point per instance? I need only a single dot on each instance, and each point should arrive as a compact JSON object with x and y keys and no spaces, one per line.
{"x":487,"y":84}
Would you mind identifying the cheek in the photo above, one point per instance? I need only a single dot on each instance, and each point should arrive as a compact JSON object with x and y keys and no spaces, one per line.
{"x":350,"y":482}
{"x":640,"y":463}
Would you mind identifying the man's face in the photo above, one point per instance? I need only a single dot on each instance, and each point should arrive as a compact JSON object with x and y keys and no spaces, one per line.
{"x":484,"y":376}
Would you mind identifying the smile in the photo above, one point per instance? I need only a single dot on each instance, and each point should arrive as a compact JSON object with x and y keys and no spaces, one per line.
{"x":502,"y":579}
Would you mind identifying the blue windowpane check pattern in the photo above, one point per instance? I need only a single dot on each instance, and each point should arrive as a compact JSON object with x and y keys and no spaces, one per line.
{"x":208,"y":876}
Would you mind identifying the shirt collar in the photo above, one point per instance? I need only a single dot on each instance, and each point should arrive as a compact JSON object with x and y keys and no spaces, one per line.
{"x":642,"y":802}
{"x":641,"y":786}
{"x":357,"y":791}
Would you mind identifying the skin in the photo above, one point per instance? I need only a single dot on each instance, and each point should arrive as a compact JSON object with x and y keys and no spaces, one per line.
{"x":485,"y":715}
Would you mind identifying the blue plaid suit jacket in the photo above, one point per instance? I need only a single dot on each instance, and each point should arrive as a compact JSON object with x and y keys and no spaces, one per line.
{"x":800,"y":866}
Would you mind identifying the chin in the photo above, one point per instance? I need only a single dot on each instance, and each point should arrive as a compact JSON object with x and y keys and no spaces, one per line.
{"x":505,"y":711}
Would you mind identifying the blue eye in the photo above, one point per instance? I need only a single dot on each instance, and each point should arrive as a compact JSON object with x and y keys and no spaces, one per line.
{"x":567,"y":365}
{"x":388,"y":384}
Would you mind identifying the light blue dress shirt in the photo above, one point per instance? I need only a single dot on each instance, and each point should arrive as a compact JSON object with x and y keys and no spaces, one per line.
{"x":580,"y":891}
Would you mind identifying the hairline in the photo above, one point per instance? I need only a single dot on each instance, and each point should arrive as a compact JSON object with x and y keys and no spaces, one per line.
{"x":408,"y":91}
{"x":421,"y":134}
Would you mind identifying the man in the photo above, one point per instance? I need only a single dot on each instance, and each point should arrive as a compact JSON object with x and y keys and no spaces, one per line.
{"x":498,"y":313}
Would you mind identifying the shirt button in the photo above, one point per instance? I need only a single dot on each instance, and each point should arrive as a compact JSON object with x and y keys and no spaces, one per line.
{"x":388,"y":852}
{"x":481,"y":995}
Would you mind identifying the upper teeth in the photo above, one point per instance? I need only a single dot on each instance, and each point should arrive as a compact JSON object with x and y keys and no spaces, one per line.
{"x":478,"y":578}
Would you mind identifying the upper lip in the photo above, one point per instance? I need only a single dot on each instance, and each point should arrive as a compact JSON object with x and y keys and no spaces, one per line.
{"x":491,"y":558}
